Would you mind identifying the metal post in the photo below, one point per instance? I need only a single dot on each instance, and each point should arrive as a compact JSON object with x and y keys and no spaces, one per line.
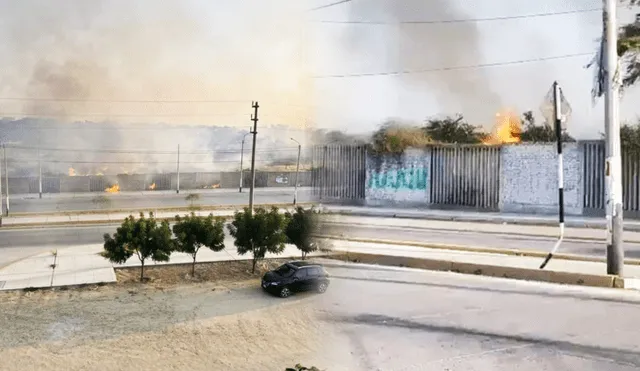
{"x":39,"y":173}
{"x":1,"y":198}
{"x":324,"y":171}
{"x":613,"y":164}
{"x":178,"y":172}
{"x":557,"y":119}
{"x":295,"y":192}
{"x":254,"y":118}
{"x":6,"y":177}
{"x":242,"y":158}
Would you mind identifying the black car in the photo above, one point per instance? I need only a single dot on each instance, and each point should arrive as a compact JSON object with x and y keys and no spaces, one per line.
{"x":295,"y":277}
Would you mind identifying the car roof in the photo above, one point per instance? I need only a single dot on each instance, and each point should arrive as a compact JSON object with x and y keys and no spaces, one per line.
{"x":302,"y":264}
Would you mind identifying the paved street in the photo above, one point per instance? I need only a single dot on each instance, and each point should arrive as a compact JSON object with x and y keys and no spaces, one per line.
{"x":371,"y":318}
{"x":475,"y":238}
{"x":402,"y":320}
{"x":131,"y":200}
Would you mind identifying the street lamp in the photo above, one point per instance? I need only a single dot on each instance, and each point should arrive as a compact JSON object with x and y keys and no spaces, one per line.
{"x":242,"y":158}
{"x":295,"y":192}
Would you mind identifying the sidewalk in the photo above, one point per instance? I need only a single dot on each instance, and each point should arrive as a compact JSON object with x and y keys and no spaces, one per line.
{"x":475,"y":216}
{"x":172,"y":192}
{"x":496,"y":265}
{"x":80,"y":265}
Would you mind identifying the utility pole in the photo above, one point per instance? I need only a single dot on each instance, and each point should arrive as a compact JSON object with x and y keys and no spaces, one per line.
{"x":178,"y":172}
{"x":39,"y":165}
{"x":295,"y":192}
{"x":241,"y":159}
{"x":254,"y":118}
{"x":1,"y":198}
{"x":613,"y":164}
{"x":557,"y":120}
{"x":6,"y":176}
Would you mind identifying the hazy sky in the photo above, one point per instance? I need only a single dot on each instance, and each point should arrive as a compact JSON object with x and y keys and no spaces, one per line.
{"x":273,"y":51}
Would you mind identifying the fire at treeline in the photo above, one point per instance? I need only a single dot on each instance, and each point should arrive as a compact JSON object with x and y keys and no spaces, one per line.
{"x":107,"y":149}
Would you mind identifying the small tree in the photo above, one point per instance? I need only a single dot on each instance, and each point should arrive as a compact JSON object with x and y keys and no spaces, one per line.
{"x":193,"y":232}
{"x":300,"y":227}
{"x":144,"y":237}
{"x":191,"y":199}
{"x":259,"y":232}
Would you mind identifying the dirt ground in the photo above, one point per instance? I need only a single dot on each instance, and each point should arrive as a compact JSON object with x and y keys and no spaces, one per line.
{"x":226,"y":272}
{"x":221,"y":321}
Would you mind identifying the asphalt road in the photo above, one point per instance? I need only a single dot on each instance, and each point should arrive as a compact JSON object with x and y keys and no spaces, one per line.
{"x":420,"y":320}
{"x":89,"y":201}
{"x":479,"y":239}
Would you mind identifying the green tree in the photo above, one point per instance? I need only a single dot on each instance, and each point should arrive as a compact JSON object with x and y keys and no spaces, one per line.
{"x":143,"y":237}
{"x":453,"y":130}
{"x":629,"y":48}
{"x":192,"y":198}
{"x":394,"y":137}
{"x":544,"y":133}
{"x":301,"y":225}
{"x":193,"y":232}
{"x":258,"y":233}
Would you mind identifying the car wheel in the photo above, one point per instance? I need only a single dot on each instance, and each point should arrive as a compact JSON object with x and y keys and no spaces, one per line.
{"x":285,"y":292}
{"x":322,"y":287}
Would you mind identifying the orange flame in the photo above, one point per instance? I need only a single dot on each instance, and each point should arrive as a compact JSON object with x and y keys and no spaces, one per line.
{"x":113,"y":189}
{"x":507,"y":129}
{"x":213,"y":186}
{"x":72,"y":172}
{"x":152,"y":187}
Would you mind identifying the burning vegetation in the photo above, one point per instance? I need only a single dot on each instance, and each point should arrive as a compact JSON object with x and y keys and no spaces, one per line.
{"x":213,"y":186}
{"x":152,"y":187}
{"x":113,"y":189}
{"x":507,"y":129}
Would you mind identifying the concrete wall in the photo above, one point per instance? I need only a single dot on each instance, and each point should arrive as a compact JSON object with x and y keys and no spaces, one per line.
{"x":74,"y":184}
{"x":399,"y":180}
{"x":529,"y":178}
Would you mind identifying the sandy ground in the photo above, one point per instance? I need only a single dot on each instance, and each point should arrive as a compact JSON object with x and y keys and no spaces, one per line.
{"x":195,"y":327}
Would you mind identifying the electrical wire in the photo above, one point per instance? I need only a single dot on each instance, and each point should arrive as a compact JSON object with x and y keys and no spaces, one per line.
{"x":73,"y":162}
{"x":455,"y":68}
{"x":329,"y":5}
{"x":468,"y":20}
{"x":121,"y":151}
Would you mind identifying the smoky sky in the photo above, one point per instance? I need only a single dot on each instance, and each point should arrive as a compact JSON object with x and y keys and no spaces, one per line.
{"x":432,"y":46}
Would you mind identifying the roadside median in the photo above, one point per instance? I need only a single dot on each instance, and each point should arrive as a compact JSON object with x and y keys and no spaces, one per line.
{"x":116,"y":216}
{"x":521,"y":267}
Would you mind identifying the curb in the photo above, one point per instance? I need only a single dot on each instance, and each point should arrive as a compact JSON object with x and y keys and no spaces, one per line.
{"x":479,"y":249}
{"x":486,"y":220}
{"x":150,"y":209}
{"x":119,"y":221}
{"x":575,"y":238}
{"x":566,"y":278}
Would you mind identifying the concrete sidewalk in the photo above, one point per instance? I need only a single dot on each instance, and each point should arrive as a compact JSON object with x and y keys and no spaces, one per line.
{"x":475,"y":216}
{"x":81,"y":265}
{"x":202,"y":192}
{"x":497,"y":265}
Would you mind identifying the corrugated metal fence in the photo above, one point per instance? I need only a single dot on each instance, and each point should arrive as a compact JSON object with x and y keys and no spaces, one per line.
{"x":593,"y":164}
{"x":339,"y":172}
{"x":465,"y":176}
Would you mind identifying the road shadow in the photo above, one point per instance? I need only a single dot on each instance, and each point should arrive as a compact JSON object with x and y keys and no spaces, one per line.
{"x":620,"y":356}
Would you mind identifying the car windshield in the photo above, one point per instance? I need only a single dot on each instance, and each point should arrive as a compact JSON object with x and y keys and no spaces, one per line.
{"x":285,"y":270}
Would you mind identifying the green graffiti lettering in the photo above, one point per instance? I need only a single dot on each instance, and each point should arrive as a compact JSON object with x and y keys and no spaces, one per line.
{"x":410,"y":178}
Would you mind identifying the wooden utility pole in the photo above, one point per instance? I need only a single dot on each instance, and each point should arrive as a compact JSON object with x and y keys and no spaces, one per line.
{"x":254,"y":118}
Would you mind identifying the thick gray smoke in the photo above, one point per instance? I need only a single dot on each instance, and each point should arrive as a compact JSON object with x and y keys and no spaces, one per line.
{"x":107,"y":62}
{"x":430,"y":46}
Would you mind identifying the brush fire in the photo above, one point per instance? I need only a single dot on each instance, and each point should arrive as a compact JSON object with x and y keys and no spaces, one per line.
{"x":507,"y":129}
{"x":213,"y":186}
{"x":152,"y":187}
{"x":113,"y":189}
{"x":72,"y":172}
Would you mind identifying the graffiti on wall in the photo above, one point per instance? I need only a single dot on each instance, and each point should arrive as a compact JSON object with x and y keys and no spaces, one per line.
{"x":404,"y":178}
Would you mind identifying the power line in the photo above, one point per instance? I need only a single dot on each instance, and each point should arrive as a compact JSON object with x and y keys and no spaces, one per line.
{"x":159,"y":101}
{"x":119,"y":151}
{"x":503,"y":18}
{"x":455,"y":68}
{"x":329,"y":5}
